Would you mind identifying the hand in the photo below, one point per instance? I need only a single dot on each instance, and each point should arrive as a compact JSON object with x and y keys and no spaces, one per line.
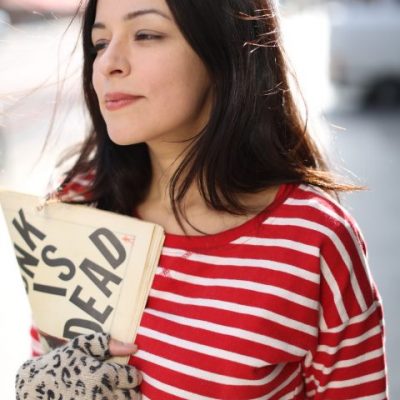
{"x":78,"y":370}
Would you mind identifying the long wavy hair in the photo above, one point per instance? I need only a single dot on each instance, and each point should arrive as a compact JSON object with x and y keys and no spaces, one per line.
{"x":255,"y":137}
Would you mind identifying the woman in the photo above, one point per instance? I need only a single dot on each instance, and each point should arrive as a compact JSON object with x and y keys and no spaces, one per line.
{"x":263,"y":289}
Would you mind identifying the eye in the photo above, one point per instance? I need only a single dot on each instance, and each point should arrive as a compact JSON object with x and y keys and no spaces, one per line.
{"x":147,"y":36}
{"x":98,"y":47}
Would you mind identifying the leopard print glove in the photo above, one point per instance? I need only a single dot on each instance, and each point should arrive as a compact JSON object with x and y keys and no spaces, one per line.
{"x":76,"y":371}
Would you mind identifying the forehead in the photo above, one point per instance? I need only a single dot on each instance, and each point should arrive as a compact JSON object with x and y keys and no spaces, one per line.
{"x":109,"y":9}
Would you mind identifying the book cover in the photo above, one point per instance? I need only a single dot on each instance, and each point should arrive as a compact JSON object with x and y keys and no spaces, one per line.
{"x":84,"y":270}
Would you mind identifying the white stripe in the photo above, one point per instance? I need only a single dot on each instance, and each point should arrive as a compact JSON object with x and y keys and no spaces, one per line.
{"x":282,"y":385}
{"x":319,"y":192}
{"x":237,"y":308}
{"x":350,"y":362}
{"x":71,"y":194}
{"x":36,"y":347}
{"x":81,"y":181}
{"x":380,"y":396}
{"x":207,"y":375}
{"x":337,"y":296}
{"x":322,"y":322}
{"x":235,"y":332}
{"x":243,"y":262}
{"x":284,"y":243}
{"x":203,"y":349}
{"x":314,"y":203}
{"x":336,"y":241}
{"x":184,"y":394}
{"x":337,"y":204}
{"x":349,"y":342}
{"x":192,"y":396}
{"x":292,"y":395}
{"x":362,"y":257}
{"x":242,"y":284}
{"x":354,"y":320}
{"x":347,"y":382}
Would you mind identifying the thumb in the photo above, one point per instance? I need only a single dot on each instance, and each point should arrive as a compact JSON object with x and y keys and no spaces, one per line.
{"x":117,"y":348}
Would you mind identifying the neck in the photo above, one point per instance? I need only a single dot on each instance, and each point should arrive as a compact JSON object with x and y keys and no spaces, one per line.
{"x":165,"y":159}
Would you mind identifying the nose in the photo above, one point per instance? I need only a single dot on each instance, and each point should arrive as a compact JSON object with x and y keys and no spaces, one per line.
{"x":114,"y":60}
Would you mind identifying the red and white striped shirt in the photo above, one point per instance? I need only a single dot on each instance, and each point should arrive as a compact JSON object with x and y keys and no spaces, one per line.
{"x":281,"y":307}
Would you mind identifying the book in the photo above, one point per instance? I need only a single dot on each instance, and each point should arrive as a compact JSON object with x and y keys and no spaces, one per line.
{"x":84,"y":270}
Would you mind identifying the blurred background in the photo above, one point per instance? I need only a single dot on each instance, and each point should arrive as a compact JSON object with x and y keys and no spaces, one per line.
{"x":346,"y":55}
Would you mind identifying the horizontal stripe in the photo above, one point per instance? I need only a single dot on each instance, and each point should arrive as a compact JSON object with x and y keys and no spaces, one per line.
{"x":173,"y":390}
{"x":344,"y":383}
{"x":182,"y":348}
{"x":81,"y":181}
{"x":350,"y":362}
{"x":184,"y":394}
{"x":200,"y":348}
{"x":354,"y":320}
{"x":235,"y":332}
{"x":379,"y":396}
{"x":302,"y":223}
{"x":292,"y":395}
{"x":242,"y":284}
{"x":207,"y":375}
{"x":237,"y":308}
{"x":317,"y":205}
{"x":349,"y":342}
{"x":328,"y":211}
{"x":283,"y":243}
{"x":282,"y":385}
{"x":242,"y":262}
{"x":73,"y":195}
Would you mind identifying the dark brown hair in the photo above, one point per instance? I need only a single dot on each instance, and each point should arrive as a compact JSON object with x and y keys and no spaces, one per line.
{"x":255,"y":137}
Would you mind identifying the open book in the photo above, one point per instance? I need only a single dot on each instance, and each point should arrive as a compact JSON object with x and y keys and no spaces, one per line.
{"x":84,"y":270}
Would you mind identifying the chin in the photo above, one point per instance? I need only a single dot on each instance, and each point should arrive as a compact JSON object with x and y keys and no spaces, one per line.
{"x":122,"y":141}
{"x":123,"y":138}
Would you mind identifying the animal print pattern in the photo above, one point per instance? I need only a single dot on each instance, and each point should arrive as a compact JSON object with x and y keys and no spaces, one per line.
{"x":75,"y":371}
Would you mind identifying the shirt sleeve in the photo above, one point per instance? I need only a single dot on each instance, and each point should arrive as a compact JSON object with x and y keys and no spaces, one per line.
{"x":348,"y":361}
{"x":36,"y":347}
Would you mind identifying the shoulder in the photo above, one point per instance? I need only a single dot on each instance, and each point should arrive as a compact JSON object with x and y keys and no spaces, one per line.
{"x":311,"y":209}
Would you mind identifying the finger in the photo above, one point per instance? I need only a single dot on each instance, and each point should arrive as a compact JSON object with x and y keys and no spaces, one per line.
{"x":126,"y":376}
{"x":94,"y":345}
{"x":118,"y":348}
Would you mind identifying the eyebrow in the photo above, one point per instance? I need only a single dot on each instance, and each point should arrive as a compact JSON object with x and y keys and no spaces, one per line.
{"x":134,"y":14}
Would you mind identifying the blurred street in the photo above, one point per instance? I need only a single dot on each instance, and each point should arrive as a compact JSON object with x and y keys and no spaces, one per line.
{"x":365,"y":143}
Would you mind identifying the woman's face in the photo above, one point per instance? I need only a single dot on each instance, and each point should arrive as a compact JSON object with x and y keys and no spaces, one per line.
{"x":150,"y":83}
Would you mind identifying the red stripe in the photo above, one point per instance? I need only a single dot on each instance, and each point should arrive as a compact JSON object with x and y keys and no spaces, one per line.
{"x":267,"y":352}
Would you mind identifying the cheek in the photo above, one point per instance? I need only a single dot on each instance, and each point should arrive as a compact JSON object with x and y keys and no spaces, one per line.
{"x":179,"y":88}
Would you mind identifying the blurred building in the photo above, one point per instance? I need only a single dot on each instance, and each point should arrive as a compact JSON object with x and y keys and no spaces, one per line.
{"x":365,"y":51}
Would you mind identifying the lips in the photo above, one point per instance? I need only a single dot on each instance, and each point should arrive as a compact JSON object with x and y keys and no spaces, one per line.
{"x":116,"y":101}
